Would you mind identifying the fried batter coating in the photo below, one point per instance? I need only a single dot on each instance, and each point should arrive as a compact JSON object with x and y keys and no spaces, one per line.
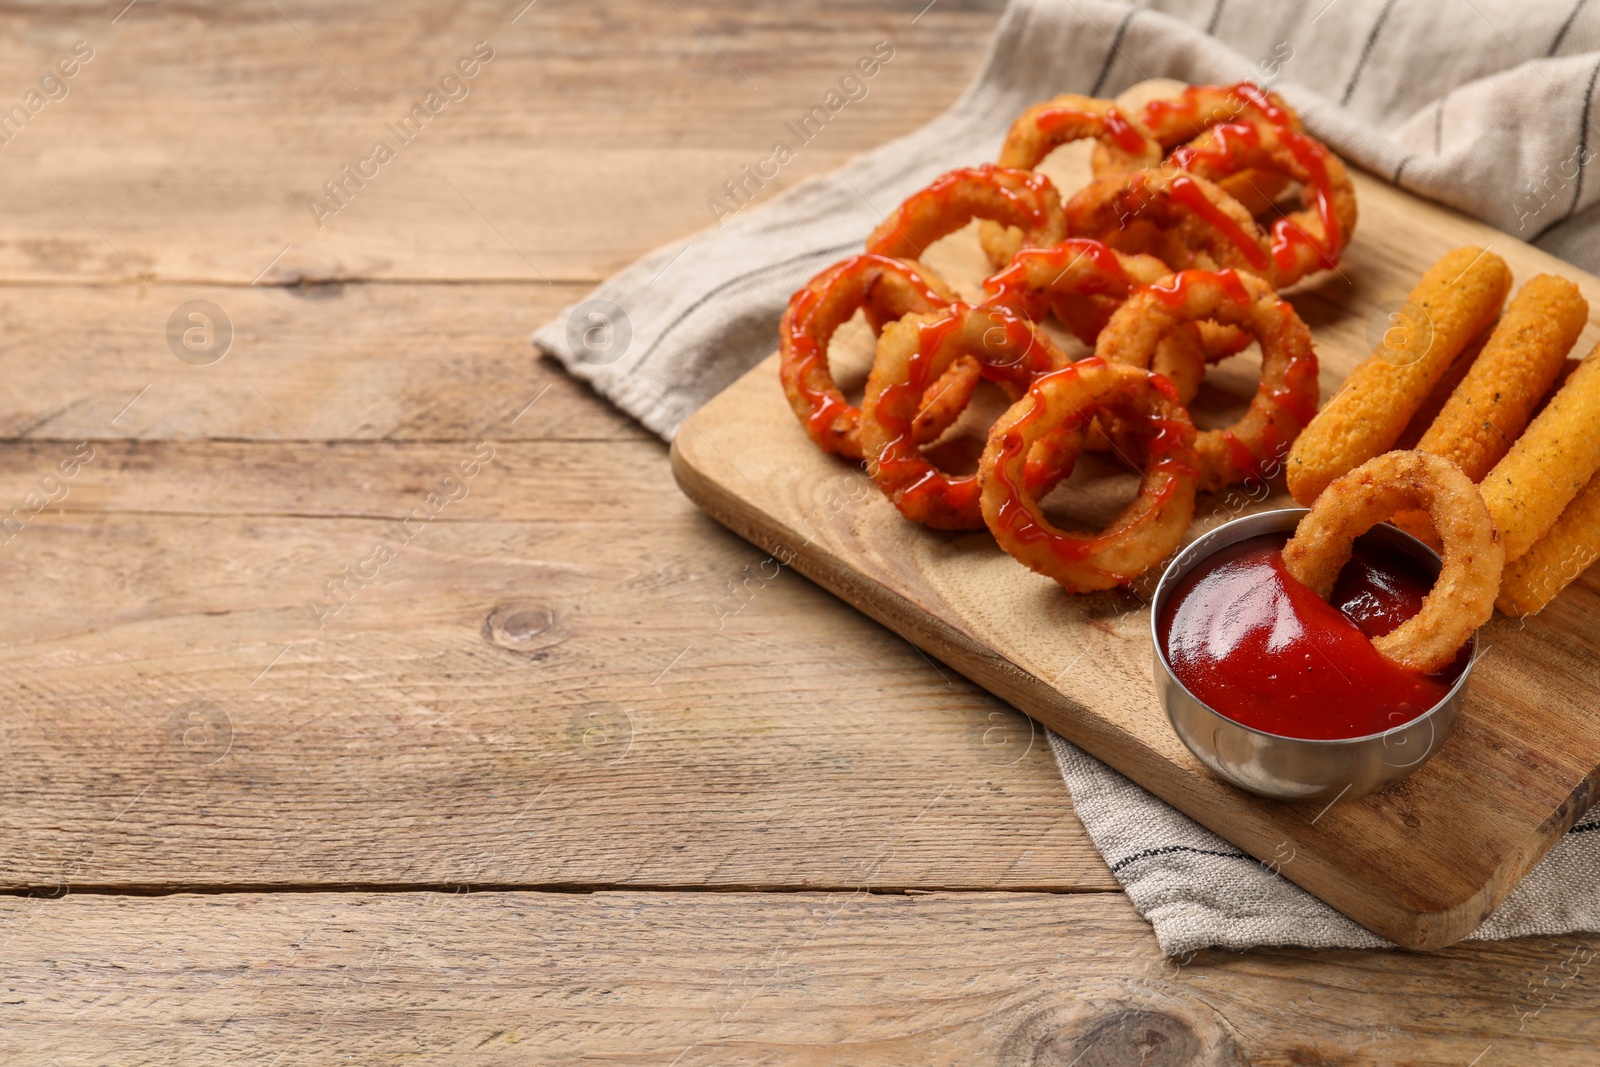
{"x":1172,"y":120}
{"x":1042,"y":129}
{"x":1010,"y":197}
{"x":1492,"y":405}
{"x":1455,"y":300}
{"x":913,"y":355}
{"x":1557,"y":559}
{"x":887,"y":289}
{"x":1554,"y":459}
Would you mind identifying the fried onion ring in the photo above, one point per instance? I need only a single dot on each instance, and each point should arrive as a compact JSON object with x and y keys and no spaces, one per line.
{"x":1462,"y":599}
{"x":1304,"y":241}
{"x":1059,"y":407}
{"x":1286,"y":399}
{"x":1085,"y":281}
{"x":913,"y":354}
{"x":888,"y":289}
{"x":1175,"y":120}
{"x":1184,"y":220}
{"x":1042,"y":129}
{"x":1002,"y":195}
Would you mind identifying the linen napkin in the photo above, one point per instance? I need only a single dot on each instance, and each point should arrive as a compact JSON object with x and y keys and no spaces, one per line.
{"x":1484,"y":105}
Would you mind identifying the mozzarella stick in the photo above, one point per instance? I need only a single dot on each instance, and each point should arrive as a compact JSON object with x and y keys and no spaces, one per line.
{"x":1457,"y":298}
{"x":1440,"y":396}
{"x":1516,"y":368}
{"x":1556,"y":559}
{"x":1527,"y":491}
{"x":1491,"y":406}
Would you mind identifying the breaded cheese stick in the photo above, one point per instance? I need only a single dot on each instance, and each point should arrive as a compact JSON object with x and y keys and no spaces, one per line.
{"x":1555,"y":458}
{"x":1557,"y":559}
{"x":1457,"y":298}
{"x":1440,"y":395}
{"x":1492,"y":405}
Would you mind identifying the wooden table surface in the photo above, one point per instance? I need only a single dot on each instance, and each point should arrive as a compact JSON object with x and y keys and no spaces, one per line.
{"x":372,"y":693}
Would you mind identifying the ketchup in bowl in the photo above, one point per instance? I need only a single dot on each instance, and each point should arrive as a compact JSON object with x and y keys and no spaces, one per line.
{"x":1264,"y":650}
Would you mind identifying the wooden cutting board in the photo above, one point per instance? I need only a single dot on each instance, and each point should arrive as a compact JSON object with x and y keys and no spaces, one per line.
{"x":1422,"y":863}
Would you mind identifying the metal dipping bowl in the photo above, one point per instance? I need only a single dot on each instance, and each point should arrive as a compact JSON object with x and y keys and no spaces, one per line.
{"x":1293,"y":768}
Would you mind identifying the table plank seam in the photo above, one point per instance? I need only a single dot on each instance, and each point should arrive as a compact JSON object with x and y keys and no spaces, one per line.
{"x":165,"y":889}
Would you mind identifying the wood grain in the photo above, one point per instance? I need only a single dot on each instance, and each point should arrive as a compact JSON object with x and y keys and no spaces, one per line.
{"x":568,"y":677}
{"x":1422,"y":863}
{"x":593,"y":134}
{"x":320,"y":362}
{"x":702,"y":979}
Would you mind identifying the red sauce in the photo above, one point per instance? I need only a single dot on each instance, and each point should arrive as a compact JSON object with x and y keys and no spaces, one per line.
{"x":901,"y":465}
{"x":948,"y":203}
{"x":1266,"y":651}
{"x":1024,"y":353}
{"x":1058,"y":122}
{"x":1013,"y":288}
{"x":1181,"y":118}
{"x":1257,"y":97}
{"x":1298,"y":394}
{"x":1123,"y":134}
{"x":1025,"y":207}
{"x":1240,"y":456}
{"x":1175,"y":293}
{"x":1285,"y":234}
{"x":1055,"y":122}
{"x":1182,"y":114}
{"x":1233,"y":144}
{"x":1229,"y":141}
{"x":1011,"y":352}
{"x":825,"y":406}
{"x":1191,"y":196}
{"x":905,"y":396}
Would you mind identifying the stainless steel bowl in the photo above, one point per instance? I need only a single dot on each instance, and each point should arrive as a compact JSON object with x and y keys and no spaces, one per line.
{"x":1293,"y":768}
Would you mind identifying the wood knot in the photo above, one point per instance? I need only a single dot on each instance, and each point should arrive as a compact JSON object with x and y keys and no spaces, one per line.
{"x":1122,"y":1033}
{"x":313,"y":288}
{"x":522,"y":626}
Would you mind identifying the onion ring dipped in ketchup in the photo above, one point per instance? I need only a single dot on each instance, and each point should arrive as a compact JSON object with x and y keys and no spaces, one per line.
{"x":1258,"y":646}
{"x":1153,"y":429}
{"x":1285,"y":400}
{"x":913,"y":355}
{"x":1463,"y":597}
{"x":1042,"y":129}
{"x":887,"y":289}
{"x":1324,"y":636}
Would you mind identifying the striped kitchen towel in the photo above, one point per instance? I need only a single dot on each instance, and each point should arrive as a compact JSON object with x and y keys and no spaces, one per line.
{"x":1484,"y":105}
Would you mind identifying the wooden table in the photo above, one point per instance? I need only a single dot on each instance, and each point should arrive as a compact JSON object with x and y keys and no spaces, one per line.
{"x":316,"y":747}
